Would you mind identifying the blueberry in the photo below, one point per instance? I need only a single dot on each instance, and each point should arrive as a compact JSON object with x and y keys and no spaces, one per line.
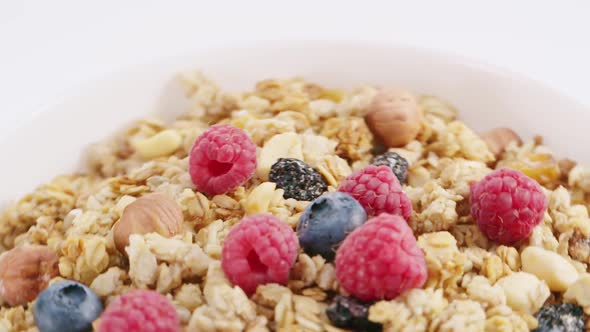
{"x":66,"y":306}
{"x":397,"y":163}
{"x":297,"y":179}
{"x":350,"y":313}
{"x":563,"y":317}
{"x":326,"y":221}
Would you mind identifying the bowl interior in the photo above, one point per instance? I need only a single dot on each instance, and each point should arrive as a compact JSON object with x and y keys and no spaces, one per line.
{"x":53,"y":142}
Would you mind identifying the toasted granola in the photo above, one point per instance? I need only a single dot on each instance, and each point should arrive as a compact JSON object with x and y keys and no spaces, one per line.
{"x":473,"y":283}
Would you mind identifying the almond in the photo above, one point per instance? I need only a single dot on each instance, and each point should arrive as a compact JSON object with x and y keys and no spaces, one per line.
{"x":25,"y":272}
{"x":285,"y":145}
{"x":394,"y":117}
{"x":152,"y":213}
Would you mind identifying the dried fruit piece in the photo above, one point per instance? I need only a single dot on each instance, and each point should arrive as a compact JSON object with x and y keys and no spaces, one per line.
{"x":154,"y":212}
{"x":541,"y":167}
{"x":25,"y":272}
{"x":394,"y":117}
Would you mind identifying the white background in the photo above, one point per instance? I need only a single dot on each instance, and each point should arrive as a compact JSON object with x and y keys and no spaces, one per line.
{"x":49,"y":47}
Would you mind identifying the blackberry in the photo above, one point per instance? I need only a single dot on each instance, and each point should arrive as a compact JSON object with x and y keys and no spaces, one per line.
{"x":297,"y":179}
{"x":397,"y":163}
{"x":563,"y":317}
{"x":350,"y":313}
{"x":327,"y":221}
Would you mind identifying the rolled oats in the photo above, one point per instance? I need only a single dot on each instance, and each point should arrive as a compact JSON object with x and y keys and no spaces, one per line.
{"x":437,"y":107}
{"x":334,"y":169}
{"x":445,"y":263}
{"x":502,"y":318}
{"x":542,"y":236}
{"x":481,"y":290}
{"x":412,"y":311}
{"x":354,"y":138}
{"x":435,"y":208}
{"x":460,"y":315}
{"x":262,"y":130}
{"x":460,"y":173}
{"x":565,"y":216}
{"x":459,"y":141}
{"x":509,"y":256}
{"x":524,"y":291}
{"x":110,"y":282}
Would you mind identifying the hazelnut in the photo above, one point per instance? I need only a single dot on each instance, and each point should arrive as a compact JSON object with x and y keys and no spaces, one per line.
{"x":394,"y":117}
{"x":25,"y":272}
{"x":152,"y":213}
{"x":498,"y":139}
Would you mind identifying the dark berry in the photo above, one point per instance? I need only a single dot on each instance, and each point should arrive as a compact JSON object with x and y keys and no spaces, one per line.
{"x":297,"y":179}
{"x":350,"y":313}
{"x":327,"y":221}
{"x":66,"y":306}
{"x":563,"y":317}
{"x":397,"y":163}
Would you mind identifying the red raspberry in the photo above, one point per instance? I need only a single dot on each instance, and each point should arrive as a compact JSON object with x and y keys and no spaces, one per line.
{"x":378,"y":191}
{"x":221,"y":159}
{"x":259,"y":250}
{"x":507,"y":205}
{"x":380,"y":259}
{"x":140,"y":311}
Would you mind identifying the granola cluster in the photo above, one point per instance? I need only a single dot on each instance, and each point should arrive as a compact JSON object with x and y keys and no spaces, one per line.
{"x":473,"y":284}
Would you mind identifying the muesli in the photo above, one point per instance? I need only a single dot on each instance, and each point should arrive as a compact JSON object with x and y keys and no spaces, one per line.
{"x":296,"y":207}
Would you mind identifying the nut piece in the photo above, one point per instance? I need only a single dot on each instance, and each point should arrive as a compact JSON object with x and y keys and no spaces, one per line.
{"x":498,"y":139}
{"x":286,"y":145}
{"x":579,"y":291}
{"x":161,"y":144}
{"x":524,"y":291}
{"x":25,"y":272}
{"x":148,"y":214}
{"x":260,"y":197}
{"x":550,"y":267}
{"x":394,"y":117}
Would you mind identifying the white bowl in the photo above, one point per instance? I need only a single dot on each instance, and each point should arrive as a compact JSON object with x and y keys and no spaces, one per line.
{"x":487,"y":97}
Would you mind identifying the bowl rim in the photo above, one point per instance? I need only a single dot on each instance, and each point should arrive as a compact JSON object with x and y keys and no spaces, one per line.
{"x":243,"y":46}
